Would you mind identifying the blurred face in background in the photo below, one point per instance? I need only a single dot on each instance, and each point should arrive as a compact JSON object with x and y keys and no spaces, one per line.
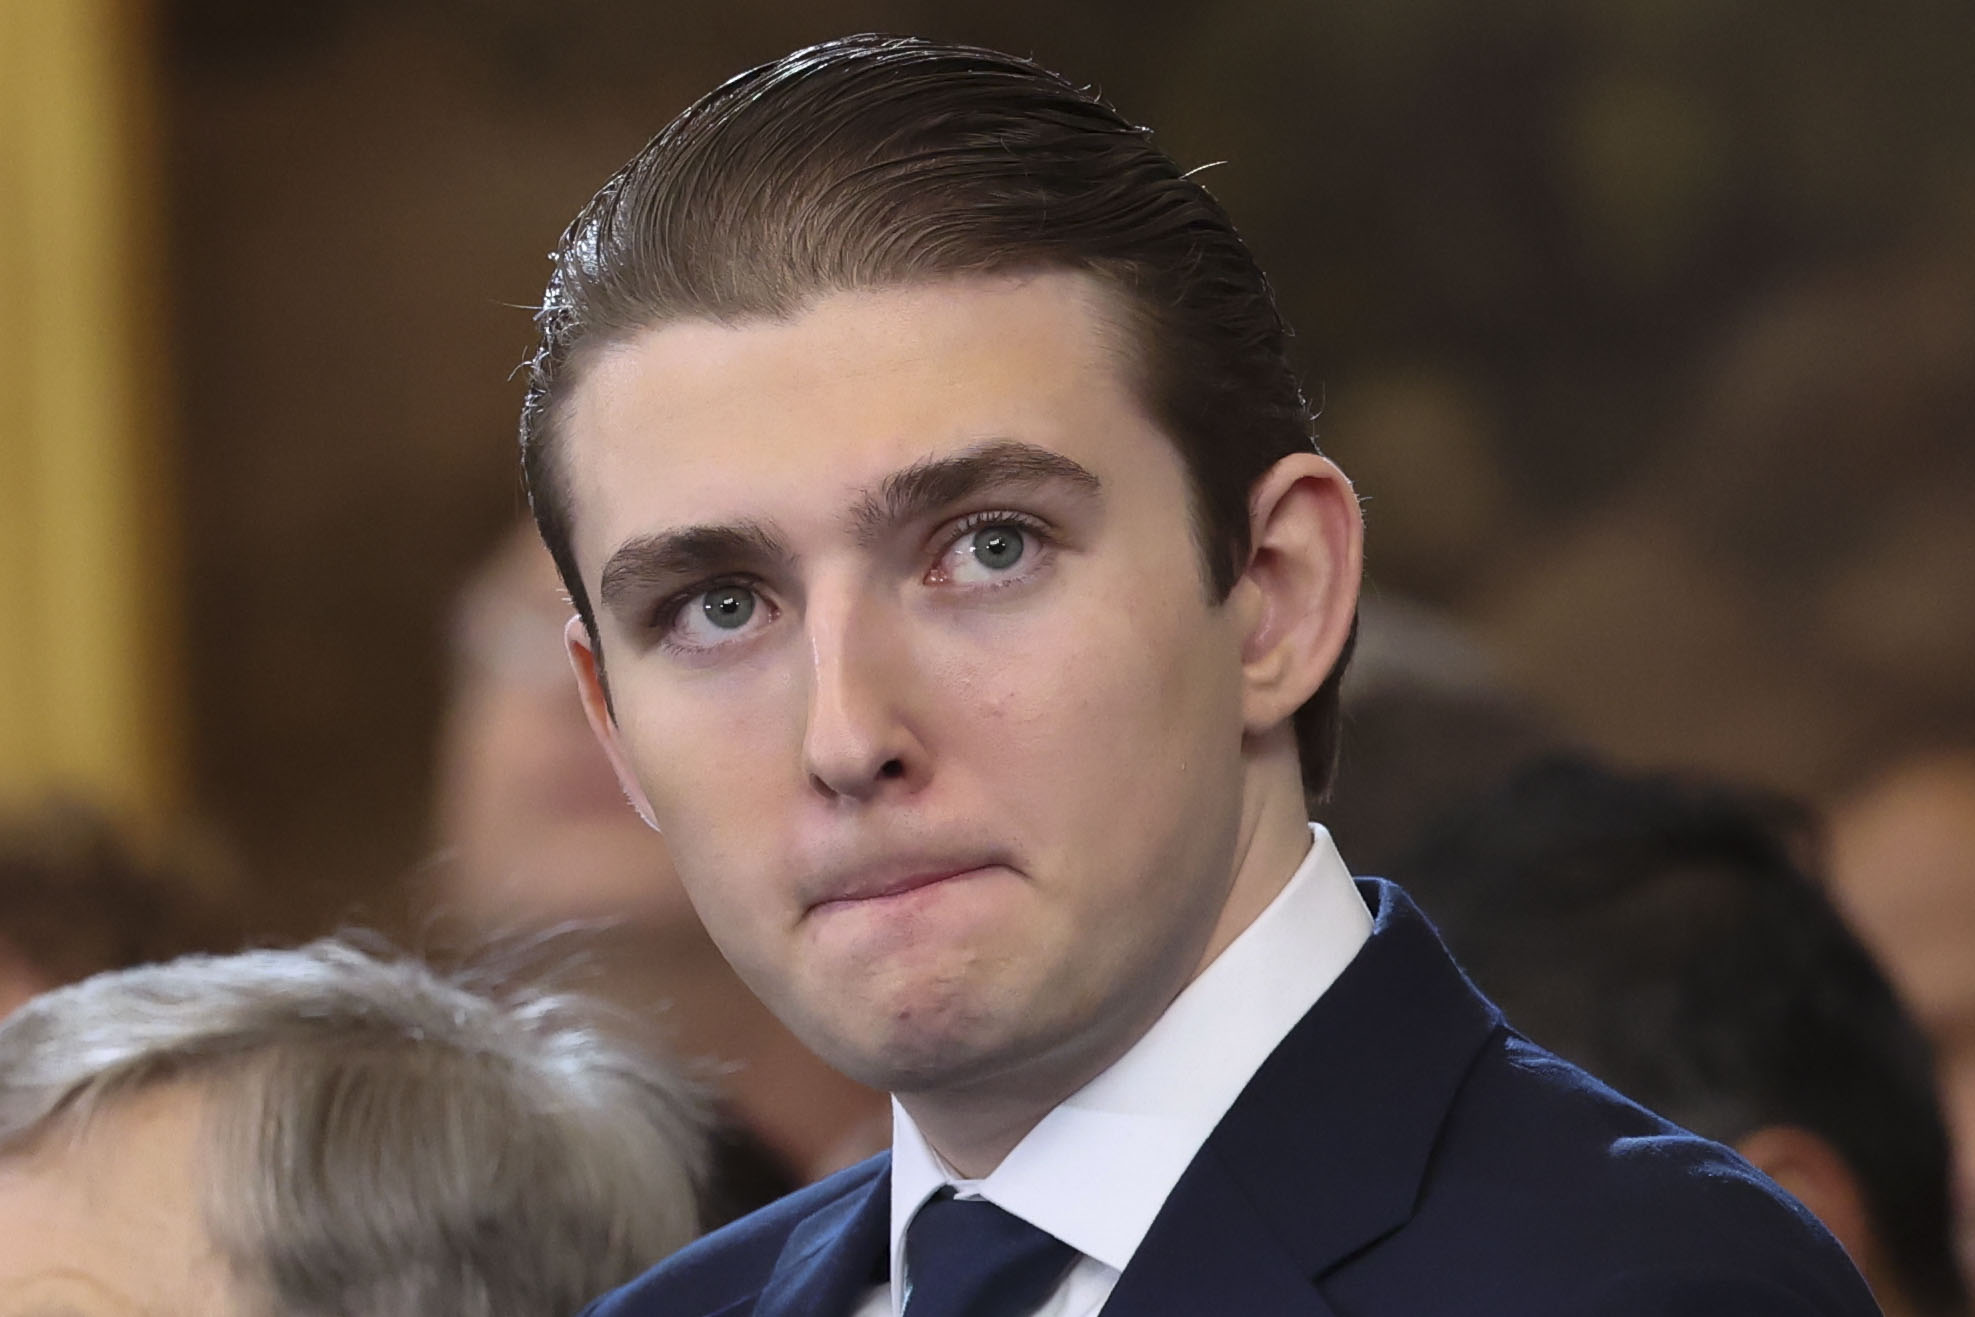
{"x":1903,"y":860}
{"x":535,"y":825}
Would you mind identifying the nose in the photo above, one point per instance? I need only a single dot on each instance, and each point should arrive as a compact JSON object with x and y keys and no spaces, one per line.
{"x":860,"y":739}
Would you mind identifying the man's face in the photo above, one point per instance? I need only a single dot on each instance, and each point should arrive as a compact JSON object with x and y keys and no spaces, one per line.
{"x":910,"y":652}
{"x":104,"y":1221}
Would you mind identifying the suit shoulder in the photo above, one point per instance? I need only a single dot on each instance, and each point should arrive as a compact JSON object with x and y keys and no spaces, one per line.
{"x":731,"y":1264}
{"x":1543,"y":1170}
{"x":1702,"y":1291}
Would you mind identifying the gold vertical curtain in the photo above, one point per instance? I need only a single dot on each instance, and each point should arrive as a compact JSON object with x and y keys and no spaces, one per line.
{"x":89,"y":686}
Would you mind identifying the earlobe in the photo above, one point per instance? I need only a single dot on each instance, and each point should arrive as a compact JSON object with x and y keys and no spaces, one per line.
{"x":1301,"y":585}
{"x":596,"y":707}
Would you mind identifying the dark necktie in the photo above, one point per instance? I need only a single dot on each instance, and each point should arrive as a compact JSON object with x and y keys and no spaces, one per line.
{"x":968,"y":1258}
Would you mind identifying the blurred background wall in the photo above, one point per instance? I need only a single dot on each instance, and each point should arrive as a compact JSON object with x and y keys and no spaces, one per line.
{"x":1645,"y":327}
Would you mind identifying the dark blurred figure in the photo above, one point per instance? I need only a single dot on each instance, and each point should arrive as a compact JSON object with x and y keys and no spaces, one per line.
{"x":1903,"y":864}
{"x":1429,"y":727}
{"x":1670,"y":936}
{"x":536,"y":835}
{"x":78,"y":896}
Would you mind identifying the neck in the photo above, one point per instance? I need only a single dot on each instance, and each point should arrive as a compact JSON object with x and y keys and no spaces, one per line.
{"x":974,"y":1137}
{"x":974,"y":1129}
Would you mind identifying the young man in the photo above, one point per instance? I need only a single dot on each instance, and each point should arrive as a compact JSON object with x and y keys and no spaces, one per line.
{"x":961,"y":595}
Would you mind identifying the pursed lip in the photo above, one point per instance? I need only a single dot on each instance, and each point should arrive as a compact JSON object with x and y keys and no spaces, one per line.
{"x":876,"y":882}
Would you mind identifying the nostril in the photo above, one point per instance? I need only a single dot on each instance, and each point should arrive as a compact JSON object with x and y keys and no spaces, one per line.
{"x":892,"y":768}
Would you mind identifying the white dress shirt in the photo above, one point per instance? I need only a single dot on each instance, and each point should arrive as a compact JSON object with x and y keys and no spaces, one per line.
{"x":1097,"y":1169}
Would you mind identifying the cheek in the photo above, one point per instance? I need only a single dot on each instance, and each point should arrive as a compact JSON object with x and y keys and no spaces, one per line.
{"x":716,"y":765}
{"x":702,"y":747}
{"x":1092,"y":699}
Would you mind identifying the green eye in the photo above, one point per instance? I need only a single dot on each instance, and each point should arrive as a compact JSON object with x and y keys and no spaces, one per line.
{"x":728,"y":607}
{"x":998,"y":547}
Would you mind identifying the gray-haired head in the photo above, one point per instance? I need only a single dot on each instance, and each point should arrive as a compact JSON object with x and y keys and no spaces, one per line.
{"x":381,"y":1140}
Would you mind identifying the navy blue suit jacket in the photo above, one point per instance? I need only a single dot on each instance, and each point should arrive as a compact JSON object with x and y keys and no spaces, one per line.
{"x":1401,"y":1152}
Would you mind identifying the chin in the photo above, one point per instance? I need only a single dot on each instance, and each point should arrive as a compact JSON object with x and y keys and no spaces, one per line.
{"x":1011,"y":1058}
{"x":923,"y":1054}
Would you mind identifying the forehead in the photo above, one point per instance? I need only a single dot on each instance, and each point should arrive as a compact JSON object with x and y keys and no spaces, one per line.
{"x":104,"y":1220}
{"x":699,"y":420}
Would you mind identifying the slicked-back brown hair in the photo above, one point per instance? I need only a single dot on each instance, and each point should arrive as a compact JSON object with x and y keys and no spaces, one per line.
{"x":877,"y":162}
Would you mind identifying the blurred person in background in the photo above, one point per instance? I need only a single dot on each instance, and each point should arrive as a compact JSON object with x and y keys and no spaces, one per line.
{"x":532,"y":824}
{"x":326,"y":1132}
{"x":1903,"y":859}
{"x":79,"y":896}
{"x":1671,"y":937}
{"x":536,"y":835}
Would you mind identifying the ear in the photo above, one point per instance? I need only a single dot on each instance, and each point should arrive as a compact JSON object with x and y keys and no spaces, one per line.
{"x":596,"y":707}
{"x":1296,"y":599}
{"x":1816,"y":1175}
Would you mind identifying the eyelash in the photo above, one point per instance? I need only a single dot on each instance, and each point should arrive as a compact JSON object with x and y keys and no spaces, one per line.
{"x":1033,"y":528}
{"x":665,"y":616}
{"x":973,"y":521}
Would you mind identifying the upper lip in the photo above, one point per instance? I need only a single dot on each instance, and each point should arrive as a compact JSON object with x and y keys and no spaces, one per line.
{"x":891,"y":876}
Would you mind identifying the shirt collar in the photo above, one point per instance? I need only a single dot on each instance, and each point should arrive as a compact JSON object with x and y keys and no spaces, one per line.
{"x":1097,"y":1169}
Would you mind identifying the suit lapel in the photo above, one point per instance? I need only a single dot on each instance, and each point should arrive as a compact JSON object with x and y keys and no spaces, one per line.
{"x":1214,"y":1254}
{"x":1325,"y":1150}
{"x":833,"y":1257}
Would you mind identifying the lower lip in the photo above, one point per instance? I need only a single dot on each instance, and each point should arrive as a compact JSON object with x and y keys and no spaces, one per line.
{"x":899,"y":896}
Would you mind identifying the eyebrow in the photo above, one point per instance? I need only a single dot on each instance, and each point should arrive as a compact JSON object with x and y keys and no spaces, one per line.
{"x":662,"y":559}
{"x":928,"y":486}
{"x":646,"y":564}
